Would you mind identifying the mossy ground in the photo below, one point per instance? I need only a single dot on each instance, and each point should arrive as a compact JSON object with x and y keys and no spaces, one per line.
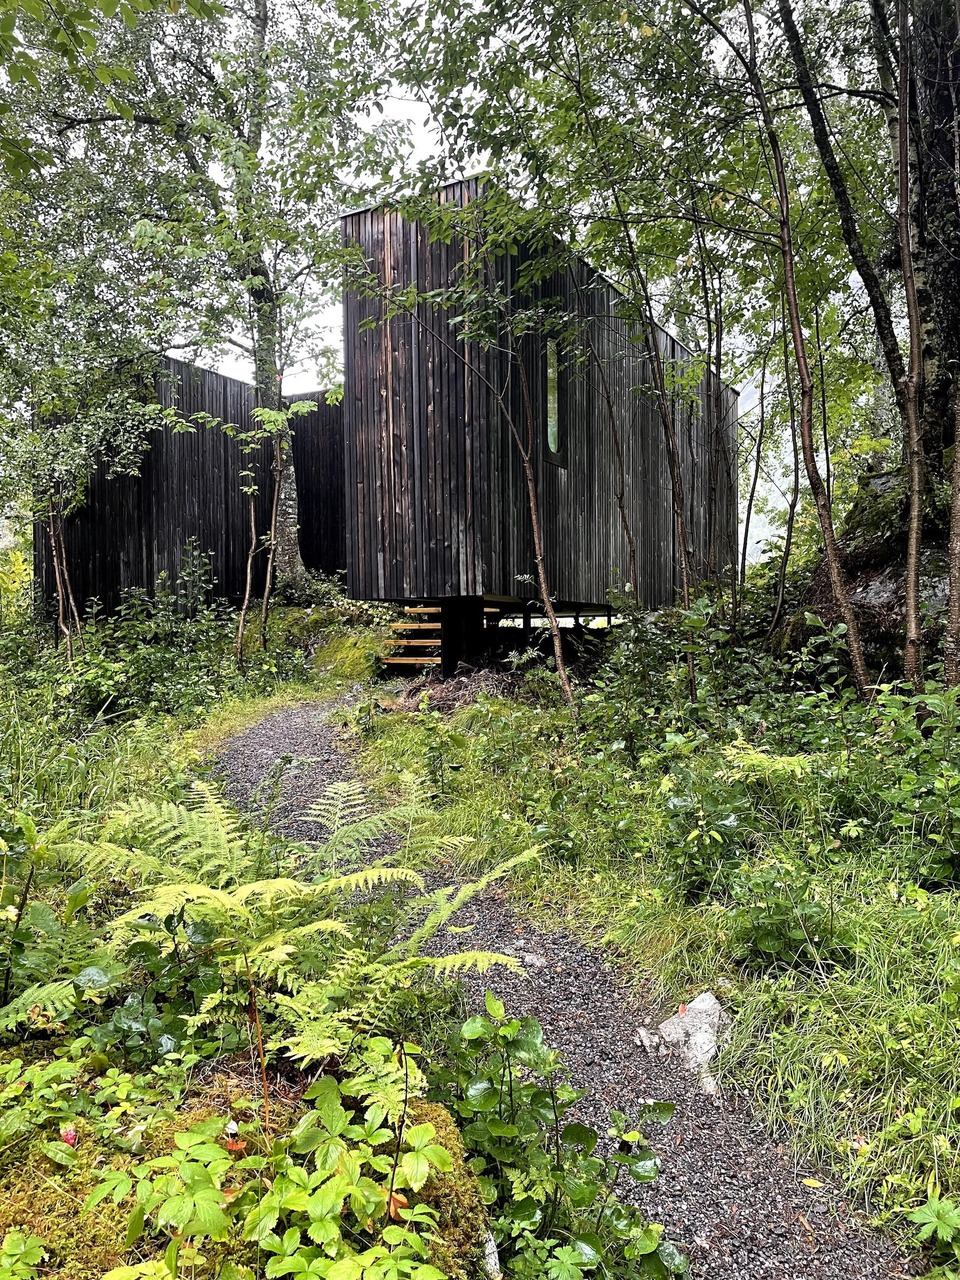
{"x":456,"y":1197}
{"x":44,"y":1199}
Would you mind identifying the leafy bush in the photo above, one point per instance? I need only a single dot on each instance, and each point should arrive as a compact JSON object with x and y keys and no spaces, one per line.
{"x":553,"y":1196}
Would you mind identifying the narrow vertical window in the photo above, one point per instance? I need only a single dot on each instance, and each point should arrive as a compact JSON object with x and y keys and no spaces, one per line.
{"x":553,"y":397}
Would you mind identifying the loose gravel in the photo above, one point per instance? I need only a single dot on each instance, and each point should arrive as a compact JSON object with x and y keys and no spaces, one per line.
{"x":727,"y":1193}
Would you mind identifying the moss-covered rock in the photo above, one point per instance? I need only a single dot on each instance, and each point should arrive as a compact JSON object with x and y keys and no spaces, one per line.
{"x":457,"y":1199}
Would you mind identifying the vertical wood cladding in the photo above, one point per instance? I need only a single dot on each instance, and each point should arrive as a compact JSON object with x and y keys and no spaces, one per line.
{"x":414,"y":427}
{"x":133,"y":529}
{"x":436,"y":496}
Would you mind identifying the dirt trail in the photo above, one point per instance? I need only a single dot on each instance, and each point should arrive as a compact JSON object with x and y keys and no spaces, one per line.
{"x":730,"y":1195}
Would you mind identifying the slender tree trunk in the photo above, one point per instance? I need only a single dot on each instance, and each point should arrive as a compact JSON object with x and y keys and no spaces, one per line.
{"x":525,"y":449}
{"x":814,"y":478}
{"x":524,"y":443}
{"x":795,"y":490}
{"x":68,"y":585}
{"x":278,"y":470}
{"x":248,"y":584}
{"x":664,"y":406}
{"x":849,"y":226}
{"x":951,"y":639}
{"x":913,"y":639}
{"x":63,"y":616}
{"x":751,"y":497}
{"x":824,"y":416}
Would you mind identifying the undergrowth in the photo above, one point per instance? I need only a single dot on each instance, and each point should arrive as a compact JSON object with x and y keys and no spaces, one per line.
{"x":776,"y":841}
{"x":228,"y":1054}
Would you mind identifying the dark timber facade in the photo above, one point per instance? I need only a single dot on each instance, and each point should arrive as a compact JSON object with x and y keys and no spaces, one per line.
{"x":133,"y":530}
{"x":436,"y":498}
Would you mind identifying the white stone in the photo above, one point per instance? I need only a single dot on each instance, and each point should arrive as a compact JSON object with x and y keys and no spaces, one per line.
{"x":491,"y":1258}
{"x":649,"y":1039}
{"x":694,"y":1034}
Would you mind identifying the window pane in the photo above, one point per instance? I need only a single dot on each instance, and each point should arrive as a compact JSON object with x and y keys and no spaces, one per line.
{"x":553,"y":413}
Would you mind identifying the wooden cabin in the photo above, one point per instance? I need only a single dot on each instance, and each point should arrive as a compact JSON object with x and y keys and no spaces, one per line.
{"x":437,"y":508}
{"x":133,"y":530}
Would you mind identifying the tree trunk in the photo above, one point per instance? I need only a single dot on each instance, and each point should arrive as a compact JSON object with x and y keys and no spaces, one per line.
{"x":63,"y":615}
{"x":287,"y":570}
{"x":278,"y":470}
{"x":755,"y":480}
{"x":791,"y":293}
{"x":525,"y":449}
{"x":795,"y":490}
{"x":951,"y":639}
{"x":248,"y":584}
{"x":913,"y":638}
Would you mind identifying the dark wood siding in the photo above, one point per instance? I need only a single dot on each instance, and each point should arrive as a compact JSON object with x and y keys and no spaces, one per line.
{"x":133,"y":530}
{"x":415,"y":424}
{"x":437,"y":502}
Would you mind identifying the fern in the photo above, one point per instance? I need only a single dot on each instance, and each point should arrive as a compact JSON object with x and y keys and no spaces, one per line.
{"x":360,"y":995}
{"x":200,"y":839}
{"x":350,"y":823}
{"x":445,"y":903}
{"x":368,"y":878}
{"x":42,"y":1002}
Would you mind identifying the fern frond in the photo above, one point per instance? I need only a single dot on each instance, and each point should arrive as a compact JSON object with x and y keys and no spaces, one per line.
{"x":343,"y":804}
{"x":351,"y":822}
{"x":448,"y":903}
{"x":168,"y":899}
{"x":369,"y":878}
{"x":466,"y":962}
{"x":201,"y":839}
{"x":53,"y":1000}
{"x":118,"y":861}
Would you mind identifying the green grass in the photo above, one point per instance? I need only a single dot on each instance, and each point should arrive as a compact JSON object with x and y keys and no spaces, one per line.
{"x":848,"y":1046}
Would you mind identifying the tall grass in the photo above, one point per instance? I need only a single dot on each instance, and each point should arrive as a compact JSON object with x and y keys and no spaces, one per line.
{"x":807,"y":872}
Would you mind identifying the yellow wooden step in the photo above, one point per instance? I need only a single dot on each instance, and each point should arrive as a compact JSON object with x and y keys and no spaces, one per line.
{"x":421,"y":609}
{"x":420,"y":662}
{"x":429,"y":644}
{"x":414,"y":626}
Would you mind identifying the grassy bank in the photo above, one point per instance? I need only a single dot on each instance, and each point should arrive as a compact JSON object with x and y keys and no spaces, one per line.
{"x":789,"y":848}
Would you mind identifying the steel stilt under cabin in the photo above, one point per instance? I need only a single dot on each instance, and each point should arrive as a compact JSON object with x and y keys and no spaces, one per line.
{"x":438,"y":516}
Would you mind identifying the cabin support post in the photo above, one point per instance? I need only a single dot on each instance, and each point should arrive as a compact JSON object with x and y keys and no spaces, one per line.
{"x":461,"y":635}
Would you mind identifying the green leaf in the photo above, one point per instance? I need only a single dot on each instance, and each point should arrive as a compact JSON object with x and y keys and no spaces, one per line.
{"x":60,"y":1153}
{"x":940,"y":1217}
{"x":481,"y":1095}
{"x":588,"y":1248}
{"x":208,"y":1220}
{"x":494,"y":1007}
{"x":135,"y":1225}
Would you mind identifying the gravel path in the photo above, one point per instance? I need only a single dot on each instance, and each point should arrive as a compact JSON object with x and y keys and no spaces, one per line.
{"x":727,"y":1192}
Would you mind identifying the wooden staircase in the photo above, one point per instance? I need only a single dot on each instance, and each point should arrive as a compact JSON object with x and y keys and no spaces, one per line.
{"x":442,"y":633}
{"x":417,"y":642}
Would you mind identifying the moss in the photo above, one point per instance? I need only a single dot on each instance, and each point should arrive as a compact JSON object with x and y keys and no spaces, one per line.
{"x":456,"y":1197}
{"x":878,"y":514}
{"x":44,"y":1199}
{"x":41,"y":1198}
{"x":354,"y":657}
